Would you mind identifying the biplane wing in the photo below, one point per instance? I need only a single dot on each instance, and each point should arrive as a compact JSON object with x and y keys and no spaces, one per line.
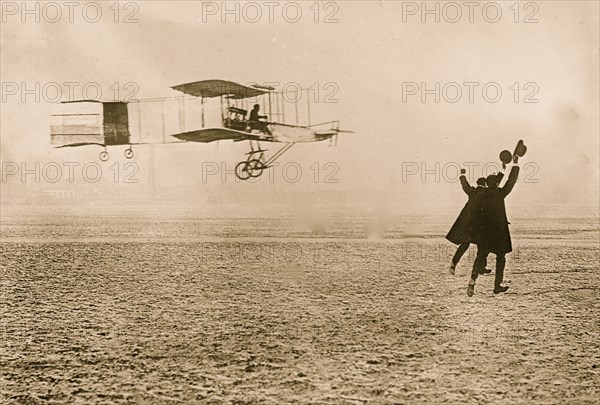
{"x":74,"y":145}
{"x":77,"y":144}
{"x":217,"y":88}
{"x":207,"y":135}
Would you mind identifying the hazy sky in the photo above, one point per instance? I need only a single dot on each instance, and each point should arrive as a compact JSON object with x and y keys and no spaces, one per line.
{"x":372,"y":56}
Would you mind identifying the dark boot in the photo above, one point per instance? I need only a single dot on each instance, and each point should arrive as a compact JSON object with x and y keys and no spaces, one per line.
{"x":471,"y":288}
{"x":500,"y":289}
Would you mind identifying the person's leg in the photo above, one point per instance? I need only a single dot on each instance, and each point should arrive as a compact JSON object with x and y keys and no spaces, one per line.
{"x":484,"y":261}
{"x":265,"y":128}
{"x":483,"y":266}
{"x":460,"y":251}
{"x":480,"y":261}
{"x":500,"y":264}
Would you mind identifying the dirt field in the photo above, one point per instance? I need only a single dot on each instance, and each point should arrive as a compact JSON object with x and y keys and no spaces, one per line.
{"x":195,"y":310}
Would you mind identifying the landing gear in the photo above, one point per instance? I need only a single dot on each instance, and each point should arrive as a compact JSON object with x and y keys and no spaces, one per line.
{"x":256,"y":163}
{"x":241,"y":171}
{"x":255,"y":167}
{"x":251,"y":168}
{"x":104,"y":154}
{"x":129,"y":153}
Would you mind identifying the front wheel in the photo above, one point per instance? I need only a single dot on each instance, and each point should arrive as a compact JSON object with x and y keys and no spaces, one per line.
{"x":241,"y":171}
{"x":255,"y":167}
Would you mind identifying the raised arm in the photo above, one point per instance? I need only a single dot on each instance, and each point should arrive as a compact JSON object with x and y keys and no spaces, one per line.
{"x":512,"y":179}
{"x":467,"y":188}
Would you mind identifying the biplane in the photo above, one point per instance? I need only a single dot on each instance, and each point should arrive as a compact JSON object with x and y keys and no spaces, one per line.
{"x":108,"y":125}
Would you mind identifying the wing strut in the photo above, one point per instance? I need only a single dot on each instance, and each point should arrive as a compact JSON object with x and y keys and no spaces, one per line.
{"x":280,"y":152}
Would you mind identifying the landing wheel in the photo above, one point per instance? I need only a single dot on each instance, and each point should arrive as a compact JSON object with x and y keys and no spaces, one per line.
{"x":255,"y":167}
{"x":129,"y":153}
{"x":104,"y":156}
{"x":241,"y":171}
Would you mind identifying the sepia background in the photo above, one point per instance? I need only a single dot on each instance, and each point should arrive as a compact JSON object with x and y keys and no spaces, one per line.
{"x":367,"y":52}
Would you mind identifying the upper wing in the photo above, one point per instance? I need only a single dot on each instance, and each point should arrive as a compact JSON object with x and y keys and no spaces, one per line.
{"x":216,"y":88}
{"x":215,"y":134}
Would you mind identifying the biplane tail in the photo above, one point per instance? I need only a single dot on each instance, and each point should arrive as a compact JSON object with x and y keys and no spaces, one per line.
{"x":90,"y":122}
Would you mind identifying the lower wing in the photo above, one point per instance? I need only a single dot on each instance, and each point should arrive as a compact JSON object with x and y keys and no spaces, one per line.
{"x":216,"y":134}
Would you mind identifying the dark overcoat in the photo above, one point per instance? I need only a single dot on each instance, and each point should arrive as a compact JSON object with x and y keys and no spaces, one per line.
{"x":490,"y":225}
{"x":462,"y":231}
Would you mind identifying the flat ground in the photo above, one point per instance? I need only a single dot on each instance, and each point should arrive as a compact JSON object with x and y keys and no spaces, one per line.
{"x":190,"y":309}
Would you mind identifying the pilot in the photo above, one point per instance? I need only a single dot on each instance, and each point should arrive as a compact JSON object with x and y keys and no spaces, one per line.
{"x":254,"y":121}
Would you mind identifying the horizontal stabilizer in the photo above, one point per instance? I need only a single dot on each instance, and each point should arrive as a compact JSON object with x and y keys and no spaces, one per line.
{"x":332,"y":131}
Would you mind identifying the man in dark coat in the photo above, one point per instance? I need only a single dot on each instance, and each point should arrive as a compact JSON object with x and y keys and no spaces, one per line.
{"x":490,"y":228}
{"x":461,"y":233}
